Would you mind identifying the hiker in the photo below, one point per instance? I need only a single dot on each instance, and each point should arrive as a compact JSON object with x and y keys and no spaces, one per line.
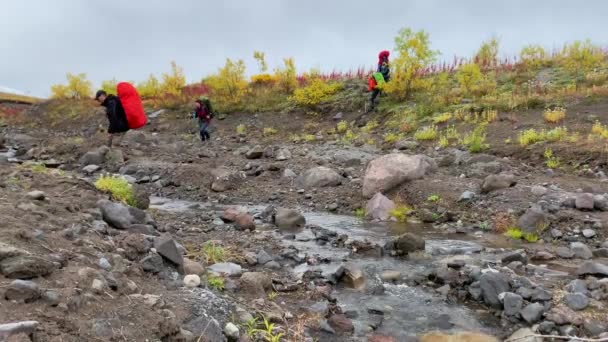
{"x":203,"y":113}
{"x":377,"y":79}
{"x":115,"y":112}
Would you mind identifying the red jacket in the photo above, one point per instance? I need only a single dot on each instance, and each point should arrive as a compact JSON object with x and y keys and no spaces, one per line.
{"x":202,"y":113}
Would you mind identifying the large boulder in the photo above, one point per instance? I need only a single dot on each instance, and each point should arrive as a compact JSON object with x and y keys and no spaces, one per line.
{"x":405,"y":244}
{"x":167,"y":248}
{"x":497,"y":182}
{"x":244,"y":221}
{"x":379,"y":207}
{"x":492,"y":285}
{"x":533,"y":220}
{"x":584,"y":201}
{"x":95,"y":157}
{"x":255,"y":152}
{"x":255,"y":283}
{"x":385,"y":173}
{"x":230,"y":214}
{"x":121,"y":216}
{"x":319,"y":177}
{"x":289,"y":219}
{"x":225,"y":179}
{"x":22,"y":290}
{"x":581,"y":250}
{"x":25,"y":267}
{"x":593,"y":269}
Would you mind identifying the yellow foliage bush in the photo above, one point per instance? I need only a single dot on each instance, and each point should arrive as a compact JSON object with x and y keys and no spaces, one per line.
{"x":78,"y":87}
{"x":530,"y":136}
{"x":229,"y":85}
{"x":286,"y":76}
{"x":342,"y":126}
{"x":268,"y":131}
{"x":468,"y":76}
{"x":426,"y":133}
{"x":175,"y":81}
{"x":554,"y":115}
{"x":118,"y":187}
{"x":263,"y":80}
{"x":532,"y":56}
{"x":150,"y":88}
{"x":442,"y":118}
{"x":317,"y":92}
{"x":109,"y":86}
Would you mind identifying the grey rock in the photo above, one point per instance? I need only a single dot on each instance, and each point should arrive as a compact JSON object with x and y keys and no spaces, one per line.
{"x":515,"y":256}
{"x":283,"y":154}
{"x":407,"y":243}
{"x":538,"y":190}
{"x":152,"y":263}
{"x":600,"y":253}
{"x":406,"y":145}
{"x":225,"y":179}
{"x":444,"y":290}
{"x":91,"y":169}
{"x":273,"y":265}
{"x":546,"y":327}
{"x":386,"y":172}
{"x":167,"y":248}
{"x":493,"y":284}
{"x":532,"y":313}
{"x":584,"y":201}
{"x":567,"y":330}
{"x":379,"y":207}
{"x":497,"y":182}
{"x":563,"y":315}
{"x":92,"y":158}
{"x":36,"y":195}
{"x":51,"y":297}
{"x":100,"y":226}
{"x":581,"y":250}
{"x":289,"y":174}
{"x":512,"y":303}
{"x":25,"y":267}
{"x":600,"y":202}
{"x":595,"y":327}
{"x":226,"y":268}
{"x":466,"y":196}
{"x":576,"y":301}
{"x":353,"y":276}
{"x":319,"y":177}
{"x":289,"y":219}
{"x":104,"y":264}
{"x":533,"y":220}
{"x":22,"y":291}
{"x":255,"y":153}
{"x":231,"y":331}
{"x":263,"y":257}
{"x":592,"y":268}
{"x":389,"y":276}
{"x":524,"y":335}
{"x":564,"y":252}
{"x":540,"y":295}
{"x":145,"y":229}
{"x":24,"y":327}
{"x":255,"y":284}
{"x":556,"y":233}
{"x":588,"y":233}
{"x":121,"y":216}
{"x":577,"y":286}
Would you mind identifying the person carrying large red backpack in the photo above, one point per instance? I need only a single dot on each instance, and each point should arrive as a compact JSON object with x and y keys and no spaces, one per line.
{"x":377,"y":80}
{"x":124,"y":111}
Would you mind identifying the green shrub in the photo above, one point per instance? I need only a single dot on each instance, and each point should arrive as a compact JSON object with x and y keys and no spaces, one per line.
{"x":317,"y":92}
{"x":342,"y":126}
{"x":400,"y":213}
{"x":360,"y":212}
{"x":514,"y":233}
{"x":476,"y":140}
{"x":426,"y":133}
{"x":214,"y":253}
{"x":118,"y":187}
{"x":216,"y":283}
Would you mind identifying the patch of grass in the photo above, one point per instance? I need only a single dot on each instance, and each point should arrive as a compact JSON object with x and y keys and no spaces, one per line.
{"x":342,"y":126}
{"x":39,"y":168}
{"x":529,"y":137}
{"x":370,"y":126}
{"x":530,"y":237}
{"x":426,"y":133}
{"x":118,"y":187}
{"x":556,"y":134}
{"x":489,"y":115}
{"x":360,"y":212}
{"x":309,"y":137}
{"x":451,"y":132}
{"x":442,"y":118}
{"x":272,"y":295}
{"x":514,"y":233}
{"x":444,"y":141}
{"x":401,"y":212}
{"x":554,"y":115}
{"x":434,"y":198}
{"x":213,"y":253}
{"x":251,"y":327}
{"x":216,"y":283}
{"x":484,"y":226}
{"x":475,"y":141}
{"x":391,"y":138}
{"x":268,"y":131}
{"x":349,"y":137}
{"x":269,"y":333}
{"x":551,"y":160}
{"x":241,"y":129}
{"x":295,"y":138}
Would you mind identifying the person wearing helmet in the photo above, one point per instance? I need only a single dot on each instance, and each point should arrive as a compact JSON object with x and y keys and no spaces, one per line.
{"x":382,"y":75}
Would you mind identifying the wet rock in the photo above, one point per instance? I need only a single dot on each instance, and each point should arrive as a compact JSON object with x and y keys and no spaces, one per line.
{"x":167,"y":248}
{"x":386,"y":172}
{"x":25,"y":267}
{"x":379,"y":207}
{"x":121,"y":216}
{"x":497,"y":182}
{"x":289,"y":219}
{"x":576,"y":301}
{"x":353,"y":277}
{"x":524,"y":335}
{"x":319,"y":177}
{"x":581,"y":250}
{"x":244,"y":221}
{"x":262,"y":257}
{"x":567,"y":330}
{"x":255,"y":153}
{"x":27,"y":328}
{"x":512,"y":303}
{"x":546,"y":327}
{"x":564,"y":252}
{"x":493,"y":284}
{"x":225,"y":268}
{"x":466,"y":196}
{"x":389,"y":276}
{"x":232,"y":332}
{"x":562,"y":315}
{"x":584,"y":201}
{"x":407,"y":243}
{"x":255,"y":283}
{"x":152,"y":263}
{"x":192,"y":281}
{"x":515,"y":256}
{"x":532,"y":313}
{"x":456,"y":264}
{"x":588,"y":233}
{"x":444,"y":290}
{"x":538,"y":190}
{"x":533,"y":220}
{"x":22,"y":291}
{"x":341,"y":324}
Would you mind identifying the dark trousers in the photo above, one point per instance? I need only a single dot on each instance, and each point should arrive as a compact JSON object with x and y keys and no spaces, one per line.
{"x":375,"y":94}
{"x":203,"y":129}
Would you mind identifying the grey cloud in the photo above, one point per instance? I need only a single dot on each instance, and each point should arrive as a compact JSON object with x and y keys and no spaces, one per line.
{"x":42,"y":40}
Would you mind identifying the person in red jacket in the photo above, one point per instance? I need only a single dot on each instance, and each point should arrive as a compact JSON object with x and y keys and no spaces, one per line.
{"x":203,"y":113}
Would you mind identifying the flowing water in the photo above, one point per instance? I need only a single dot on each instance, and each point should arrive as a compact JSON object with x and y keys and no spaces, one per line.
{"x":407,"y":311}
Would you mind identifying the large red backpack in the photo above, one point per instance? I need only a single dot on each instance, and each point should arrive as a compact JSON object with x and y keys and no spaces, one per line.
{"x":129,"y":98}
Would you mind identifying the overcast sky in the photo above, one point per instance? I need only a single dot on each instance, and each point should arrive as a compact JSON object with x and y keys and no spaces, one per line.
{"x":41,"y":40}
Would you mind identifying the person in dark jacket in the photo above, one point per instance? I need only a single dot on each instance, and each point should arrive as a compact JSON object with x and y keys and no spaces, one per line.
{"x":384,"y":69}
{"x":203,"y":114}
{"x":117,"y":118}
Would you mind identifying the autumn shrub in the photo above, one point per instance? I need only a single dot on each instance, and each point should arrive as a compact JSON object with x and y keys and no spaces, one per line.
{"x":174,"y":81}
{"x":77,"y":87}
{"x":554,"y":115}
{"x":442,"y":118}
{"x":426,"y":133}
{"x":286,"y":76}
{"x":150,"y":88}
{"x":530,"y":136}
{"x":475,"y":141}
{"x":229,"y":86}
{"x":580,"y":57}
{"x":596,"y":78}
{"x":468,"y":76}
{"x":317,"y":92}
{"x":532,"y":56}
{"x":109,"y":86}
{"x":487,"y":55}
